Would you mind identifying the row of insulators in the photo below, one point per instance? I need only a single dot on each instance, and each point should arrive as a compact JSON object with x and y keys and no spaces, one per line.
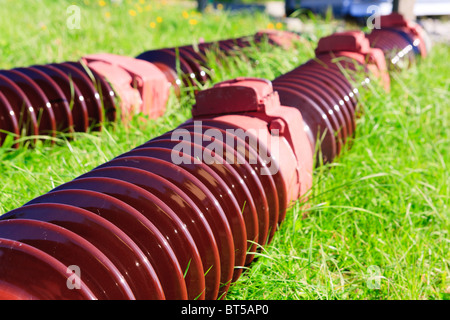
{"x":78,"y":96}
{"x":182,"y":215}
{"x":43,"y":100}
{"x":46,"y":99}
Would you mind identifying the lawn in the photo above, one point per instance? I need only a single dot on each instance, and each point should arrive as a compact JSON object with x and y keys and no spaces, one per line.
{"x":377,"y":226}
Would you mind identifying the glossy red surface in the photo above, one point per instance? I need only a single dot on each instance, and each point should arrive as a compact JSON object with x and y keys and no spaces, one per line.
{"x":172,"y":60}
{"x":113,"y":242}
{"x":344,"y":115}
{"x":318,"y":67}
{"x":248,"y":150}
{"x":346,"y":109}
{"x":189,"y":212}
{"x":315,"y":119}
{"x":210,"y":208}
{"x":253,"y":105}
{"x":196,"y":55}
{"x":44,"y":113}
{"x":224,"y":158}
{"x":322,"y":101}
{"x":107,"y":95}
{"x":23,"y":111}
{"x":56,"y":97}
{"x":8,"y":121}
{"x":192,"y":59}
{"x":392,"y":43}
{"x":142,"y":87}
{"x":338,"y":83}
{"x":87,"y":90}
{"x":258,"y":165}
{"x":195,"y":213}
{"x":45,"y":278}
{"x":234,"y":210}
{"x":72,"y":94}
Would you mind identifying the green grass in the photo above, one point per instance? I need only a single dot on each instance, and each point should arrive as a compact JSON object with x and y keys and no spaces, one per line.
{"x":382,"y":205}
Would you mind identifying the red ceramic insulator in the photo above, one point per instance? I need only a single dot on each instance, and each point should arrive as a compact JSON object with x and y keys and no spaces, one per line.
{"x":355,"y":46}
{"x":108,"y":96}
{"x":186,"y":203}
{"x":8,"y":120}
{"x":44,"y":113}
{"x":187,"y":225}
{"x":414,"y":31}
{"x":320,"y":90}
{"x":88,"y":91}
{"x":16,"y":284}
{"x":22,"y":110}
{"x":78,"y":96}
{"x":114,"y":243}
{"x":73,"y":95}
{"x":58,"y":97}
{"x":189,"y":64}
{"x":175,"y":66}
{"x":179,"y":216}
{"x":143,"y":87}
{"x":156,"y":209}
{"x":281,"y":38}
{"x":399,"y":52}
{"x":135,"y":225}
{"x":401,"y":40}
{"x":100,"y":274}
{"x":325,"y":93}
{"x":256,"y":99}
{"x":58,"y":100}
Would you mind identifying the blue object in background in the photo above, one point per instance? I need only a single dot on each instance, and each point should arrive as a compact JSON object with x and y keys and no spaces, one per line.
{"x":362,"y":8}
